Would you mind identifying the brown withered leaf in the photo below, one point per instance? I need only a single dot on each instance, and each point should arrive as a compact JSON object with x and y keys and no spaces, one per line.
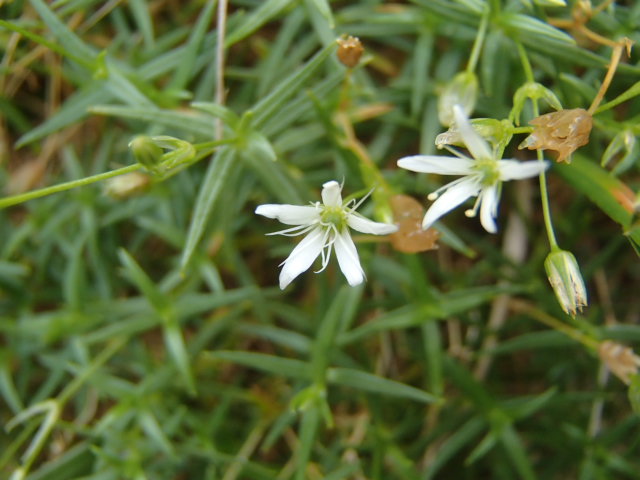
{"x":563,"y":131}
{"x":410,"y":237}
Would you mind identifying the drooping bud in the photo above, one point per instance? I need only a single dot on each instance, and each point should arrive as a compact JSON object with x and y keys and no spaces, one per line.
{"x":623,"y":146}
{"x":146,"y":151}
{"x":566,"y":280}
{"x":533,"y":91}
{"x":564,"y":132}
{"x":350,"y":50}
{"x":463,"y":91}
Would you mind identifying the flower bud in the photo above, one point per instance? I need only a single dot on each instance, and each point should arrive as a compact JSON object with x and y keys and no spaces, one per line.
{"x":566,"y":281}
{"x":533,"y":91}
{"x":146,"y":151}
{"x":623,"y":146}
{"x":463,"y":91}
{"x":496,"y":132}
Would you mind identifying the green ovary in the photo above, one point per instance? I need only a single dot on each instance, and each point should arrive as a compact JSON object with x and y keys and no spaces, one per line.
{"x":488,"y":170}
{"x":335,"y":216}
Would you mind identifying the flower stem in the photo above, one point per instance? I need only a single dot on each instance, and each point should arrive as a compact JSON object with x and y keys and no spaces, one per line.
{"x":544,"y":194}
{"x":43,"y":192}
{"x":477,"y":44}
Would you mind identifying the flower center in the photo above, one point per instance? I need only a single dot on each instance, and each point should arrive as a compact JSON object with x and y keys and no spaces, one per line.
{"x":488,"y":171}
{"x":334,"y":216}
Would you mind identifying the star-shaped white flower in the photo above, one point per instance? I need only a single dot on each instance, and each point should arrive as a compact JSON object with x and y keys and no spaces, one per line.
{"x":482,"y":176}
{"x":327,"y":225}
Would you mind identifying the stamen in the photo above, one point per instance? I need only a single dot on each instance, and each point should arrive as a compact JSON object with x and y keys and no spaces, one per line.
{"x":433,"y":195}
{"x":294,"y":231}
{"x":472,"y":212}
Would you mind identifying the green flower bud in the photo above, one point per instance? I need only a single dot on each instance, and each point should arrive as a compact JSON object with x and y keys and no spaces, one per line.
{"x":146,"y":151}
{"x":496,"y":132}
{"x":463,"y":91}
{"x":534,"y":91}
{"x":624,"y":146}
{"x":566,"y":281}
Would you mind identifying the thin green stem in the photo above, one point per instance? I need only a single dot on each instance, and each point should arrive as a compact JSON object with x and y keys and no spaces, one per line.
{"x":477,"y":44}
{"x":43,"y":192}
{"x":544,"y":194}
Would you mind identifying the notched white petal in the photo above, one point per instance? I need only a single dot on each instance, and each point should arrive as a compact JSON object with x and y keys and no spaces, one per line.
{"x":302,"y":256}
{"x":489,"y":208}
{"x":364,"y":225}
{"x":514,"y":170}
{"x":450,"y":199}
{"x":478,"y":147}
{"x":331,"y":196}
{"x":289,"y":214}
{"x":348,"y":259}
{"x":437,"y":164}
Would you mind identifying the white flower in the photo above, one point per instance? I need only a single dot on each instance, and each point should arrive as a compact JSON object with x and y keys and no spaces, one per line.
{"x":327,"y":225}
{"x":482,"y":176}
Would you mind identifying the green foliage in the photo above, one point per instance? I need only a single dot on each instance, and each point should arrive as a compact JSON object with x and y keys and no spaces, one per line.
{"x":144,"y":336}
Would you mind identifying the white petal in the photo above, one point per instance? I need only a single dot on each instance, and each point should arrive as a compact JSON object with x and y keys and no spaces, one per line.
{"x":289,"y":214}
{"x":331,"y":194}
{"x":365,"y":225}
{"x":302,"y":256}
{"x":450,"y":199}
{"x":348,"y":258}
{"x":478,"y":147}
{"x":436,"y":164}
{"x":489,"y":208}
{"x":514,"y":170}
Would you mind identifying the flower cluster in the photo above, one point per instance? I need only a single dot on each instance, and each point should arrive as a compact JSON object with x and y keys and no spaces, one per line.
{"x":481,"y":175}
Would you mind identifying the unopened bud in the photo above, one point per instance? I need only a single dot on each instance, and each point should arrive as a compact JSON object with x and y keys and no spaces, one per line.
{"x":146,"y":151}
{"x":533,"y":91}
{"x":350,"y":50}
{"x":496,"y":132}
{"x":566,"y":281}
{"x":623,"y":146}
{"x":463,"y":91}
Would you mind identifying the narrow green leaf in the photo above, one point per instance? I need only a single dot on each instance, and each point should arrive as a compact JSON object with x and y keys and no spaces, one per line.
{"x":194,"y":124}
{"x":369,"y":382}
{"x":74,"y":109}
{"x":140,"y":11}
{"x":267,"y":10}
{"x":264,"y":109}
{"x":67,"y":39}
{"x":517,"y":24}
{"x":512,"y":444}
{"x":612,"y":196}
{"x":216,"y":177}
{"x":267,"y":363}
{"x":147,"y":287}
{"x":319,"y":14}
{"x":174,"y":342}
{"x":187,"y":65}
{"x":628,"y":94}
{"x":462,"y":437}
{"x":308,"y":431}
{"x":72,"y":463}
{"x":54,"y":47}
